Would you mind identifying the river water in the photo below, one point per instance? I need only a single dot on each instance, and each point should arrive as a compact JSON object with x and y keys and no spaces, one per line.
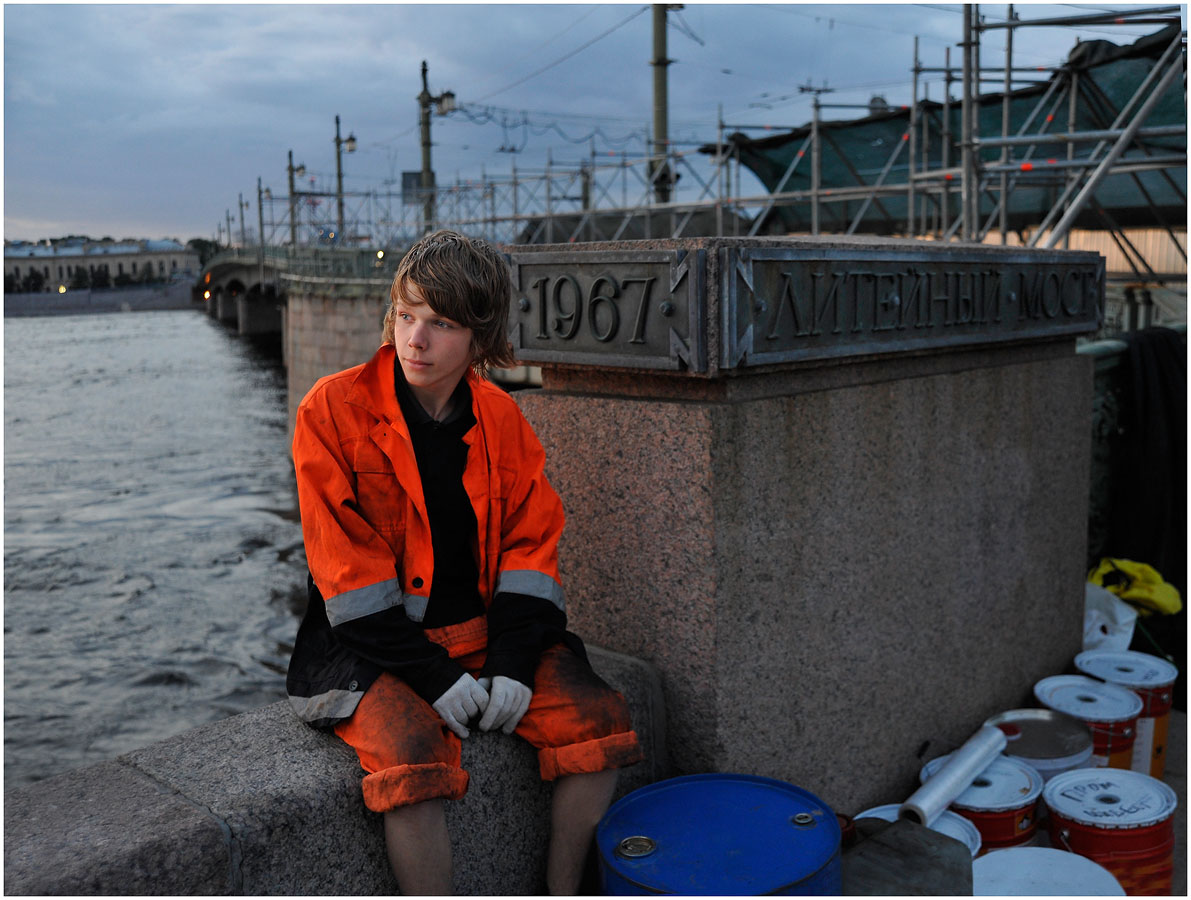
{"x":153,"y":564}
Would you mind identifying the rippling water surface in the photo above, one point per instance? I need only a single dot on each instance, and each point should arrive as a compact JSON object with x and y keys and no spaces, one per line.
{"x":152,"y":555}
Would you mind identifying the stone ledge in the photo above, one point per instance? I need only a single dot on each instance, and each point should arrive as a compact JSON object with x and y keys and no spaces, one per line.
{"x":261,"y":804}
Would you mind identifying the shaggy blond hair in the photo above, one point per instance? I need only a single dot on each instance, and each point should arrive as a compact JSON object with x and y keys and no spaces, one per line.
{"x":463,"y":279}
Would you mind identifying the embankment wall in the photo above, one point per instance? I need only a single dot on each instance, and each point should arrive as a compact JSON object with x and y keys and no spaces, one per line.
{"x":262,"y":804}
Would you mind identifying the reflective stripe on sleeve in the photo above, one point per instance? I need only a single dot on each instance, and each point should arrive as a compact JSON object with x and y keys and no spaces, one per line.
{"x":415,"y":607}
{"x":533,"y":583}
{"x":363,"y":601}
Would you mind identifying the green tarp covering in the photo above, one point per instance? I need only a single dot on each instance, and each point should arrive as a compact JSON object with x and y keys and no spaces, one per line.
{"x":855,"y":152}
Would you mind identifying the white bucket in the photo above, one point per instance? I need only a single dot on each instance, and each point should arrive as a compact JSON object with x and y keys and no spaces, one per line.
{"x":1001,"y":802}
{"x":1109,"y":710}
{"x":951,"y":824}
{"x":1047,"y":741}
{"x":1152,"y":679}
{"x":1122,"y":819}
{"x":1041,"y":872}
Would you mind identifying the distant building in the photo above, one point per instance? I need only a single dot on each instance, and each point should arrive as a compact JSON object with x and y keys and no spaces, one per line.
{"x":58,"y":261}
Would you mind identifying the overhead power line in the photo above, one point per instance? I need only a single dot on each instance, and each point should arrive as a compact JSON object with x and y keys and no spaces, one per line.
{"x":546,"y":43}
{"x":565,"y":57}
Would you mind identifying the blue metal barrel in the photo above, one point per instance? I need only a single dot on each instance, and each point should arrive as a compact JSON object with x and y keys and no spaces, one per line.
{"x":719,"y":834}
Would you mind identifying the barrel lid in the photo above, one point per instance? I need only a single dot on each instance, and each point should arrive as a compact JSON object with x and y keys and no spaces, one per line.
{"x":1042,"y":734}
{"x":1127,"y":667}
{"x":951,"y":824}
{"x":1088,"y":699}
{"x":1003,"y":784}
{"x":1041,"y":872}
{"x":724,"y":833}
{"x":1110,"y":798}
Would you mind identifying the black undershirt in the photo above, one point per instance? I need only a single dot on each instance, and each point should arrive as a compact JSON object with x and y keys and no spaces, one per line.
{"x":442,"y":456}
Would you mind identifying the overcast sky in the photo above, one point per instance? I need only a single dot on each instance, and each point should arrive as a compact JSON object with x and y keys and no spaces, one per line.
{"x":150,"y":120}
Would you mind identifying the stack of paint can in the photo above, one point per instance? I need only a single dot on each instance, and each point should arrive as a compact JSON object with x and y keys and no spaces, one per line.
{"x":1121,"y":819}
{"x":1152,"y":679}
{"x":1110,"y":711}
{"x":1002,"y":801}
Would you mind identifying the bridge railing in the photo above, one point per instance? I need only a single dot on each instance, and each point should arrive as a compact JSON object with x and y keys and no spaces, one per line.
{"x":310,"y":262}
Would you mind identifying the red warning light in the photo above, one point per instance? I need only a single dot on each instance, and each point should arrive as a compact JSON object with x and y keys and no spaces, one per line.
{"x":1026,"y":167}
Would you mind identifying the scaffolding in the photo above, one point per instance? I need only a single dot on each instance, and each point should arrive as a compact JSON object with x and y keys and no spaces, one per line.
{"x":1022,"y":166}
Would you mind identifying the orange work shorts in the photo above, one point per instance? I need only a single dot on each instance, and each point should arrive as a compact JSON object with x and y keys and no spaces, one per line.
{"x":577,"y":723}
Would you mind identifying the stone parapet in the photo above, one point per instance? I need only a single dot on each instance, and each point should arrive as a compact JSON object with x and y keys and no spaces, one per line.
{"x":328,"y":328}
{"x":262,"y":804}
{"x":835,"y":490}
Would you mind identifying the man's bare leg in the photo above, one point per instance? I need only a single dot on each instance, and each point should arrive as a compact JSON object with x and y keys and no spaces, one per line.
{"x":579,"y":803}
{"x":419,"y":848}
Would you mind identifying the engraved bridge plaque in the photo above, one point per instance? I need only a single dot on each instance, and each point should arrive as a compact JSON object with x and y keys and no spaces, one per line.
{"x":787,"y":305}
{"x":641,"y":309}
{"x":768,"y":304}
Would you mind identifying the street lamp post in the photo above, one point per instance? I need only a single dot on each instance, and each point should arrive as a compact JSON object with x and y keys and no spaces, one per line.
{"x":243,"y":206}
{"x":291,"y":171}
{"x":350,"y":144}
{"x":260,"y":222}
{"x":445,"y":103}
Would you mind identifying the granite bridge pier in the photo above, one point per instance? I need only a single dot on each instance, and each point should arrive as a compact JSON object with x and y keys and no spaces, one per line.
{"x":827,"y":511}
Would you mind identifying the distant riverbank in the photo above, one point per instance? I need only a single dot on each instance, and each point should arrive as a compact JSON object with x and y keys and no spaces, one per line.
{"x":175,"y":295}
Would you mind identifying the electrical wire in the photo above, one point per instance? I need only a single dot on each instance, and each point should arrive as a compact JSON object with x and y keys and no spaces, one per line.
{"x":565,"y":57}
{"x":488,"y":114}
{"x":834,"y":19}
{"x":545,"y":43}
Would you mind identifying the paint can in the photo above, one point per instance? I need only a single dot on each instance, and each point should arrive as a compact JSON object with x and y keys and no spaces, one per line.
{"x":1041,"y":872}
{"x":1109,"y":710}
{"x":1046,"y":740}
{"x":1152,"y":679}
{"x":1002,"y":801}
{"x":1121,"y":819}
{"x":951,"y":824}
{"x":722,"y":834}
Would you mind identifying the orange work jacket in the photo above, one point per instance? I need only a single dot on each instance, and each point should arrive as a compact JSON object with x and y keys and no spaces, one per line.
{"x":366,"y":529}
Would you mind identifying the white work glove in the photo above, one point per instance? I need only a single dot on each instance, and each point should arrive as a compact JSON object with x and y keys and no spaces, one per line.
{"x":508,"y":700}
{"x":459,"y":703}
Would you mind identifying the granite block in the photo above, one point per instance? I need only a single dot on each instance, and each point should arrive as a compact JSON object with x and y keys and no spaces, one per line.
{"x":636,"y":484}
{"x":262,"y":804}
{"x":109,"y":829}
{"x":919,"y":553}
{"x":829,"y":580}
{"x":289,"y":795}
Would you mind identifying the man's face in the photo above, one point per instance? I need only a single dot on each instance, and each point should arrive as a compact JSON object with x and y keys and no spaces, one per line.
{"x":434,"y":351}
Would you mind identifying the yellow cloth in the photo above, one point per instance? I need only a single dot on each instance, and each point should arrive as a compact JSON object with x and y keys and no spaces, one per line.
{"x":1137,"y":583}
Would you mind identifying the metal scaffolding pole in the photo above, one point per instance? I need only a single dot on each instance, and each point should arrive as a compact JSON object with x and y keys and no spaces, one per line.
{"x":945,"y":220}
{"x":816,"y":165}
{"x":968,"y":189}
{"x":1004,"y":217}
{"x":1114,"y":154}
{"x":720,"y":170}
{"x":910,"y":199}
{"x":880,"y":181}
{"x":779,"y":188}
{"x":1124,"y":114}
